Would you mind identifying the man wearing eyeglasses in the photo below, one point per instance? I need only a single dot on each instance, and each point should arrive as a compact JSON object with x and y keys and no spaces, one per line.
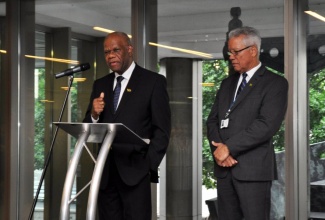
{"x":248,"y":110}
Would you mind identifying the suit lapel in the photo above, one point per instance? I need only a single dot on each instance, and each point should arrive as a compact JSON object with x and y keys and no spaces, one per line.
{"x":250,"y":86}
{"x":228,"y":100}
{"x":233,"y":87}
{"x":111,"y":92}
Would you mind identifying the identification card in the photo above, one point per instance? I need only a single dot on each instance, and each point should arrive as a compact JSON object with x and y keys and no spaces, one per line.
{"x":224,"y":123}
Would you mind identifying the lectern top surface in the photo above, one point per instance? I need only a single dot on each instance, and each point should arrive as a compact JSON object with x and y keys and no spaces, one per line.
{"x":98,"y":131}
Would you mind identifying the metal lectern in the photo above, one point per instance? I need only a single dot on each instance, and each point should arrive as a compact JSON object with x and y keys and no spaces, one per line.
{"x":92,"y":133}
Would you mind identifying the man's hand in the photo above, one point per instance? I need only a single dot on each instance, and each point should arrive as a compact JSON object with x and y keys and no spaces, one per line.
{"x":228,"y":162}
{"x":222,"y":156}
{"x":98,"y":106}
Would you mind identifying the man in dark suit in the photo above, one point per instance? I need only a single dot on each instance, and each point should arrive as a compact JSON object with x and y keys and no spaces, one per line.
{"x":142,"y":106}
{"x":242,"y":122}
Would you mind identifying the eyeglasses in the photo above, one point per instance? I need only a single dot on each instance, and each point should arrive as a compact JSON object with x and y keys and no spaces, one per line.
{"x":236,"y":52}
{"x":114,"y":51}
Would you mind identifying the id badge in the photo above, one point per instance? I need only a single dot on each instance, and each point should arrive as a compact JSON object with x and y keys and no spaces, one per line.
{"x":224,"y":123}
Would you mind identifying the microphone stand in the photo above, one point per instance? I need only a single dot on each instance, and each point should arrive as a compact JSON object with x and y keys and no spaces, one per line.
{"x":51,"y":150}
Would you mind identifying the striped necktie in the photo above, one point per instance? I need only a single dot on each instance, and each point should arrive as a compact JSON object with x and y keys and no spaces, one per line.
{"x":117,"y":91}
{"x":242,"y":84}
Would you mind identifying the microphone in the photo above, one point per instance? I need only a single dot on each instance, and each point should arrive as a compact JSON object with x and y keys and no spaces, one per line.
{"x":76,"y":69}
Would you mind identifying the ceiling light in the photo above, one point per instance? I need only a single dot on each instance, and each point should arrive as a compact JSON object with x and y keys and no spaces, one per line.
{"x":53,"y":59}
{"x":66,"y":88}
{"x":182,"y":50}
{"x":207,"y":84}
{"x":163,"y":46}
{"x":106,"y":30}
{"x":79,"y":79}
{"x":316,"y":15}
{"x":46,"y":101}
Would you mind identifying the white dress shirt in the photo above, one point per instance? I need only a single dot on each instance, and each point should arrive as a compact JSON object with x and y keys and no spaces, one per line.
{"x":126,"y":77}
{"x":250,"y":74}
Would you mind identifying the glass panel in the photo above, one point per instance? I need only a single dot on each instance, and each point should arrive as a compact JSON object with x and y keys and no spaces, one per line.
{"x":68,"y":32}
{"x":316,"y":75}
{"x":198,"y":30}
{"x":4,"y":121}
{"x":198,"y":26}
{"x":39,"y":139}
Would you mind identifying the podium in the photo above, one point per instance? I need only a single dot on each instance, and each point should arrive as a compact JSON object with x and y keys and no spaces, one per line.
{"x":92,"y":133}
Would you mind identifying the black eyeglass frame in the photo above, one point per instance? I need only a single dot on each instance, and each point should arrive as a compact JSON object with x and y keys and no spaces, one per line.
{"x":236,"y":52}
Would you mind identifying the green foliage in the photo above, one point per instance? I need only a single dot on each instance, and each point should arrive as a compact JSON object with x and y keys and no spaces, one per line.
{"x":74,"y":112}
{"x":322,"y":155}
{"x":317,"y":106}
{"x":39,"y":122}
{"x":214,"y":71}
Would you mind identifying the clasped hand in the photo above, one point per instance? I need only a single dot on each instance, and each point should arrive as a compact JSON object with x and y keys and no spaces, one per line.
{"x":222,"y":155}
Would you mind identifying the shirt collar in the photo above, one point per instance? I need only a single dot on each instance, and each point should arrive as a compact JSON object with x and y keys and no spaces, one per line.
{"x":127,"y":74}
{"x":251,"y":72}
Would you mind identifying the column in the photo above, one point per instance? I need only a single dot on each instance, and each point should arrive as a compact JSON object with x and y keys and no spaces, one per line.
{"x":181,"y":197}
{"x":144,"y":30}
{"x":17,"y":109}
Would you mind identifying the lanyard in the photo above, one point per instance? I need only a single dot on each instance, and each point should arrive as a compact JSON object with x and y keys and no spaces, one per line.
{"x":229,"y":109}
{"x":232,"y":103}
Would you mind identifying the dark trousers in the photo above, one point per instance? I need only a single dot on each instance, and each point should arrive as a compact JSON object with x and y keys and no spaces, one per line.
{"x":249,"y":200}
{"x":119,"y":201}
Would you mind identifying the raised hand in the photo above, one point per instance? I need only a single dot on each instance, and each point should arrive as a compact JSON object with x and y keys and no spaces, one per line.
{"x":98,"y":106}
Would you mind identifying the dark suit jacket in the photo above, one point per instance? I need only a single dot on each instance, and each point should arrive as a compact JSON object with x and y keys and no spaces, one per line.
{"x":144,"y":108}
{"x":255,"y":117}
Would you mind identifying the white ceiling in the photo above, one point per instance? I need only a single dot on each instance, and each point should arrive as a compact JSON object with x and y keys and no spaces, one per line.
{"x":191,"y":24}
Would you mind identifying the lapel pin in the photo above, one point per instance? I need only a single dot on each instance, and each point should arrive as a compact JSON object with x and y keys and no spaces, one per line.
{"x":250,"y":84}
{"x":128,"y":90}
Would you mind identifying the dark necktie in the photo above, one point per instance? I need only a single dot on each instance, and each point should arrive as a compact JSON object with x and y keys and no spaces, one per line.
{"x":242,"y":84}
{"x":117,"y":91}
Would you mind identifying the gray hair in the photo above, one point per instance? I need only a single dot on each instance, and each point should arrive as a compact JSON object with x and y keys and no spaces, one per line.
{"x":251,"y":36}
